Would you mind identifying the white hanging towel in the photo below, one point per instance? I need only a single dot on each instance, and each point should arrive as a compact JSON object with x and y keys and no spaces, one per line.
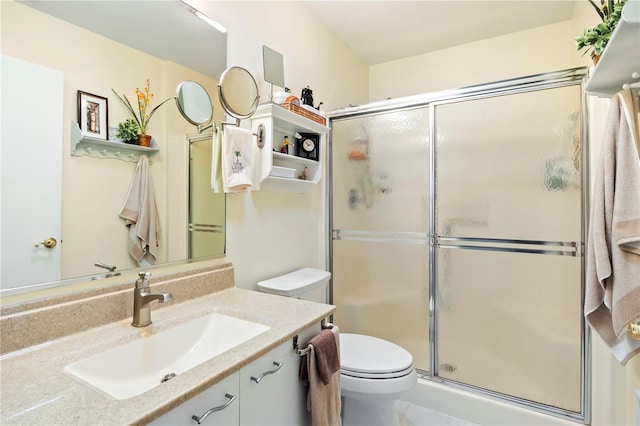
{"x":236,"y":159}
{"x":216,"y":162}
{"x":140,"y":213}
{"x":612,"y":298}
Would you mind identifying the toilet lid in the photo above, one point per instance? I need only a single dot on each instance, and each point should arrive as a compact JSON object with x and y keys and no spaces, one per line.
{"x":368,"y":355}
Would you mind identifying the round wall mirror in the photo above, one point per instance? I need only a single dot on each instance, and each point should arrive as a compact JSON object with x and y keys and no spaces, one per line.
{"x":194,"y":103}
{"x":238,"y":92}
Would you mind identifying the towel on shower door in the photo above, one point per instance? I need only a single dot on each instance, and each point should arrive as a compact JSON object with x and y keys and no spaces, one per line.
{"x":236,"y":159}
{"x":612,"y":298}
{"x":320,"y":370}
{"x":140,"y":214}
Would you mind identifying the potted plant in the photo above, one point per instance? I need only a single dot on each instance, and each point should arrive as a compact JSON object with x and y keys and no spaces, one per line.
{"x":595,"y":39}
{"x":127,"y":131}
{"x":141,"y":118}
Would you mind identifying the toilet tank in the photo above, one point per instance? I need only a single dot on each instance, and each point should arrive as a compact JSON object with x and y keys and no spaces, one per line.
{"x":306,"y":284}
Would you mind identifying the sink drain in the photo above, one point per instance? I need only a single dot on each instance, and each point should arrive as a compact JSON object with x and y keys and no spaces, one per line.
{"x":168,"y":377}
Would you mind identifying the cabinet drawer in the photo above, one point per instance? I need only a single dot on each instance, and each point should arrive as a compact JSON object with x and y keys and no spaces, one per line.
{"x":218,"y":395}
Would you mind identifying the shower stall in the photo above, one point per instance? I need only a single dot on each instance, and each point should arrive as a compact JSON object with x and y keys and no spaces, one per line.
{"x":458,"y":231}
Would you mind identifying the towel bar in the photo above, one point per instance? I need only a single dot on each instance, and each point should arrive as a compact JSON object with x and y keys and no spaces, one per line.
{"x":259,"y":134}
{"x":634,"y":330}
{"x":304,"y":351}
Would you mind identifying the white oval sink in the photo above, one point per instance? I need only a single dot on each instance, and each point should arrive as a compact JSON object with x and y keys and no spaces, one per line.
{"x":134,"y":368}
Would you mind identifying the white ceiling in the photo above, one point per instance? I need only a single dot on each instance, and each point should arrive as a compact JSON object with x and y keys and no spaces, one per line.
{"x":385,"y":30}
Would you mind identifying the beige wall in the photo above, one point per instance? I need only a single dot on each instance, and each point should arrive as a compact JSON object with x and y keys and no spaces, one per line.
{"x":534,"y":51}
{"x":270,"y":233}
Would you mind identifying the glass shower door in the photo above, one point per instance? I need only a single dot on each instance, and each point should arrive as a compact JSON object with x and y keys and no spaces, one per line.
{"x":508,"y":182}
{"x":380,"y":202}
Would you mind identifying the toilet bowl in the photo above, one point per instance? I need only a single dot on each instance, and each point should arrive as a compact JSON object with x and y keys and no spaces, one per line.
{"x":373,"y":372}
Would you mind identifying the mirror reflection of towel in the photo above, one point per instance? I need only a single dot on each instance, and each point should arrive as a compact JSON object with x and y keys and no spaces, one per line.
{"x":236,"y":159}
{"x":141,"y":216}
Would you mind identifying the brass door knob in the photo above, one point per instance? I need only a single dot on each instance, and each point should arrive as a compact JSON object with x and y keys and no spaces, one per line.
{"x":48,"y":243}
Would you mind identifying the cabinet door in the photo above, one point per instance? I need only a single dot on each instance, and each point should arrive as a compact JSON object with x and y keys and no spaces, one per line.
{"x":223,"y":394}
{"x":279,"y":397}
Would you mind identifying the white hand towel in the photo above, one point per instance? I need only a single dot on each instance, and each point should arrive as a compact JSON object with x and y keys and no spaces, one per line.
{"x":216,"y":162}
{"x":141,"y":216}
{"x":612,"y":298}
{"x":236,"y":159}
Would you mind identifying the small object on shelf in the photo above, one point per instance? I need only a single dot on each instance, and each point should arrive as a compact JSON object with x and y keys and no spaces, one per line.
{"x":303,"y":174}
{"x":292,"y":100}
{"x":307,"y":96}
{"x":296,"y":108}
{"x":308,"y":146}
{"x":357,"y":155}
{"x":282,"y":172}
{"x":144,"y":140}
{"x":284,"y":148}
{"x":127,"y":131}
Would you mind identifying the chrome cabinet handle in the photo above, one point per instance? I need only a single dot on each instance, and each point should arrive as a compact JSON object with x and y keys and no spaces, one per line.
{"x":214,"y":409}
{"x":257,"y":379}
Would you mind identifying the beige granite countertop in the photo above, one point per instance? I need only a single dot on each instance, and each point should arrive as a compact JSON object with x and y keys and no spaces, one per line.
{"x":37,"y":391}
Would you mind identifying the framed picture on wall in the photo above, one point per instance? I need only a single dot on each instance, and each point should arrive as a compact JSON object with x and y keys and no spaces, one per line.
{"x":93,"y":115}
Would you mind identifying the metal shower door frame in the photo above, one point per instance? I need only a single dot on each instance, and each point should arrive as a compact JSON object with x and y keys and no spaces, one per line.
{"x":564,"y":78}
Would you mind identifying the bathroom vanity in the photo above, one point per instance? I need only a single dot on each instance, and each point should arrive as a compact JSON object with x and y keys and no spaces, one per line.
{"x":37,"y":390}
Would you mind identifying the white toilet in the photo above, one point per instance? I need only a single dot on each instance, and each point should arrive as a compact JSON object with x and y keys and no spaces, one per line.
{"x":373,"y":372}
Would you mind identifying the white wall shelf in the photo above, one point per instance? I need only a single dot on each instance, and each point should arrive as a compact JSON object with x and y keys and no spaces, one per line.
{"x":621,"y":57}
{"x":280,"y":122}
{"x":100,"y":148}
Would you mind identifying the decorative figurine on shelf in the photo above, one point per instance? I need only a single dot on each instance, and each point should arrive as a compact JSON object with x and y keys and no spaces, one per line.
{"x":285,"y":145}
{"x":307,"y":96}
{"x":303,"y":174}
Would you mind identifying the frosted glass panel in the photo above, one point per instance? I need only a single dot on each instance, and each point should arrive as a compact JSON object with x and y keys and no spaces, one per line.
{"x":507,"y":161}
{"x":381,"y":289}
{"x":381,"y":172}
{"x":511,"y":323}
{"x":206,"y":208}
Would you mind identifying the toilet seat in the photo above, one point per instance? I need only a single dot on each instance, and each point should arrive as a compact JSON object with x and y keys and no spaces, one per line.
{"x":368,"y":357}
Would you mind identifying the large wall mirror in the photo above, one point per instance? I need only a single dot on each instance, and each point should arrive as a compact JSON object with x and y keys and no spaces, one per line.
{"x":94,"y":46}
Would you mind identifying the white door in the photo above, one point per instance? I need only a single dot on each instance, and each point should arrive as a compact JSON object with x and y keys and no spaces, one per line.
{"x":31,"y":172}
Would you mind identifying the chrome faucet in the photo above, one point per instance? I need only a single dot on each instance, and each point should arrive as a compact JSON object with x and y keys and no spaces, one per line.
{"x":142,"y":298}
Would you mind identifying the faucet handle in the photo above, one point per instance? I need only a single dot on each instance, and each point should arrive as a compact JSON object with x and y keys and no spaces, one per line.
{"x":143,"y":280}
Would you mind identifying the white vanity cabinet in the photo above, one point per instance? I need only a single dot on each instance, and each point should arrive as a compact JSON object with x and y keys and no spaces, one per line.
{"x":265,"y":392}
{"x":280,"y":171}
{"x":223,"y":397}
{"x":271,"y":392}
